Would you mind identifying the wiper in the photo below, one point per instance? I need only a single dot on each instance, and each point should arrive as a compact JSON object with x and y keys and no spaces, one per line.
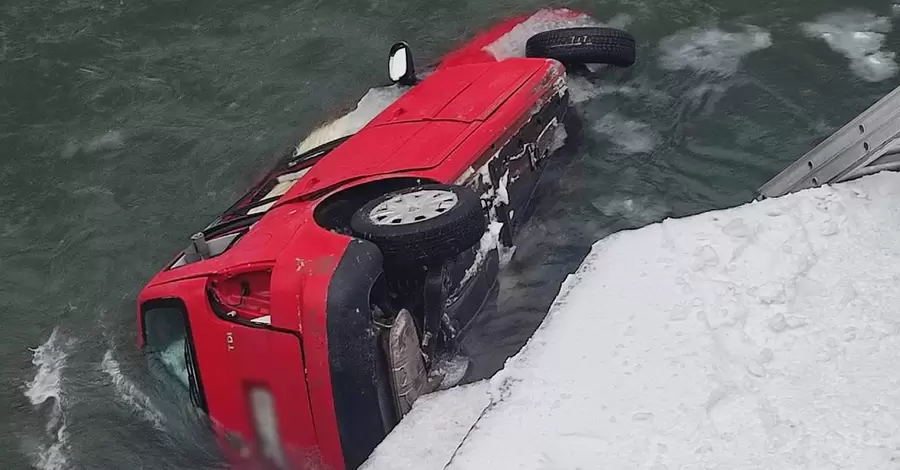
{"x":236,"y":222}
{"x":217,"y":227}
{"x":193,"y":389}
{"x":316,"y":152}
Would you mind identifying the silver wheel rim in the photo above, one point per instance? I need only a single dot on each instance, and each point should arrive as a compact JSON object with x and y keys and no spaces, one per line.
{"x":415,"y":207}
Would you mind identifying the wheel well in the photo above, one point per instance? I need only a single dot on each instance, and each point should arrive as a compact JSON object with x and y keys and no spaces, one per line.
{"x":335,"y":211}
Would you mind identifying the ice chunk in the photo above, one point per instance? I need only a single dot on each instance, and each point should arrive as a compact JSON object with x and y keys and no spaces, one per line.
{"x":859,"y":36}
{"x":711,"y":50}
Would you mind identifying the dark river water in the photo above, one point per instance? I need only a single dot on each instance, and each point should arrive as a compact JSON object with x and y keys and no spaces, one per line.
{"x":125,"y":126}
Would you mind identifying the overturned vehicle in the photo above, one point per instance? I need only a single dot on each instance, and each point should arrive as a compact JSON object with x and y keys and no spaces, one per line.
{"x":307,"y":319}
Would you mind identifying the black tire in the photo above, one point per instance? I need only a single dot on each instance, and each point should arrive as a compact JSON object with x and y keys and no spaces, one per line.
{"x":587,"y":45}
{"x":433,"y":240}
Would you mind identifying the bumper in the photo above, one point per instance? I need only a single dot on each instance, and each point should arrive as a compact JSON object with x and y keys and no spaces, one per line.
{"x":360,"y":384}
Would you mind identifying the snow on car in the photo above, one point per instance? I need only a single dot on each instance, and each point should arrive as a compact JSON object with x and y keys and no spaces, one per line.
{"x":308,"y":317}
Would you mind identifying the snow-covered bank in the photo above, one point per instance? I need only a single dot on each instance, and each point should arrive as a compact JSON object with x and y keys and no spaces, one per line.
{"x":763,"y":336}
{"x":430,"y":433}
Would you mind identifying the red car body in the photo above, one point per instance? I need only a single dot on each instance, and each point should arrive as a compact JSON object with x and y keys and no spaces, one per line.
{"x":315,"y":355}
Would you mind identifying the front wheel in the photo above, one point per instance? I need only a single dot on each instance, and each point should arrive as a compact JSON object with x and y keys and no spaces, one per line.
{"x":423,"y":224}
{"x":585,"y":45}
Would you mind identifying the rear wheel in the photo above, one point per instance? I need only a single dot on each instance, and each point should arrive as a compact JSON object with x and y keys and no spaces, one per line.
{"x":585,"y":45}
{"x":422,"y":225}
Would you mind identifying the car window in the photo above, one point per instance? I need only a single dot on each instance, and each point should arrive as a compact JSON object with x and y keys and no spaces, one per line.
{"x":166,"y":334}
{"x":168,"y":344}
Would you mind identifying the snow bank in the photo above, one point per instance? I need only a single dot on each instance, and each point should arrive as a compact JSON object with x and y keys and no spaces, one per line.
{"x":763,"y":336}
{"x":428,"y":435}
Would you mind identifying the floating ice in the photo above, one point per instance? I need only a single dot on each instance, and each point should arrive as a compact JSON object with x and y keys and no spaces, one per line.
{"x":711,"y":50}
{"x":581,"y":90}
{"x":859,"y":36}
{"x":628,"y":135}
{"x":110,"y":140}
{"x":637,"y":210}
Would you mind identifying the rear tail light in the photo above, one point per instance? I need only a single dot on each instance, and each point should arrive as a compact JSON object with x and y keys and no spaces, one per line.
{"x":265,"y":421}
{"x":244,"y":295}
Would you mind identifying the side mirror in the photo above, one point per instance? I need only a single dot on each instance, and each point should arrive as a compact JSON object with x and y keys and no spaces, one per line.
{"x":400,"y":64}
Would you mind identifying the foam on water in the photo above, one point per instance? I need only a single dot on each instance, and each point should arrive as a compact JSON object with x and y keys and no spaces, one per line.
{"x":512,"y":44}
{"x":581,"y":90}
{"x":559,"y":138}
{"x":451,"y":369}
{"x":128,"y":392}
{"x":636,"y":210}
{"x":711,"y":50}
{"x":628,"y":135}
{"x":110,"y":140}
{"x":859,"y":36}
{"x":373,"y":103}
{"x":50,"y":359}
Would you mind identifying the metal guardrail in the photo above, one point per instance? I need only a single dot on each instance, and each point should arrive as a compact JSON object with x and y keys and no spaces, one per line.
{"x":867,"y":144}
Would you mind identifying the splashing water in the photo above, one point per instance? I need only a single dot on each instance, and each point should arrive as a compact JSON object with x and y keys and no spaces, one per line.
{"x":50,"y":359}
{"x":129,"y":393}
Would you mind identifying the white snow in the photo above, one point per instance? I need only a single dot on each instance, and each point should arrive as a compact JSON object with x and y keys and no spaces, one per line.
{"x":859,"y":36}
{"x":711,"y":50}
{"x":489,"y":241}
{"x":422,"y":442}
{"x":763,"y":336}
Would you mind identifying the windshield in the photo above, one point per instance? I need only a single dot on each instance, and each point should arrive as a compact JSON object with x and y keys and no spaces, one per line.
{"x":168,"y":344}
{"x":264,"y":194}
{"x":230,"y":226}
